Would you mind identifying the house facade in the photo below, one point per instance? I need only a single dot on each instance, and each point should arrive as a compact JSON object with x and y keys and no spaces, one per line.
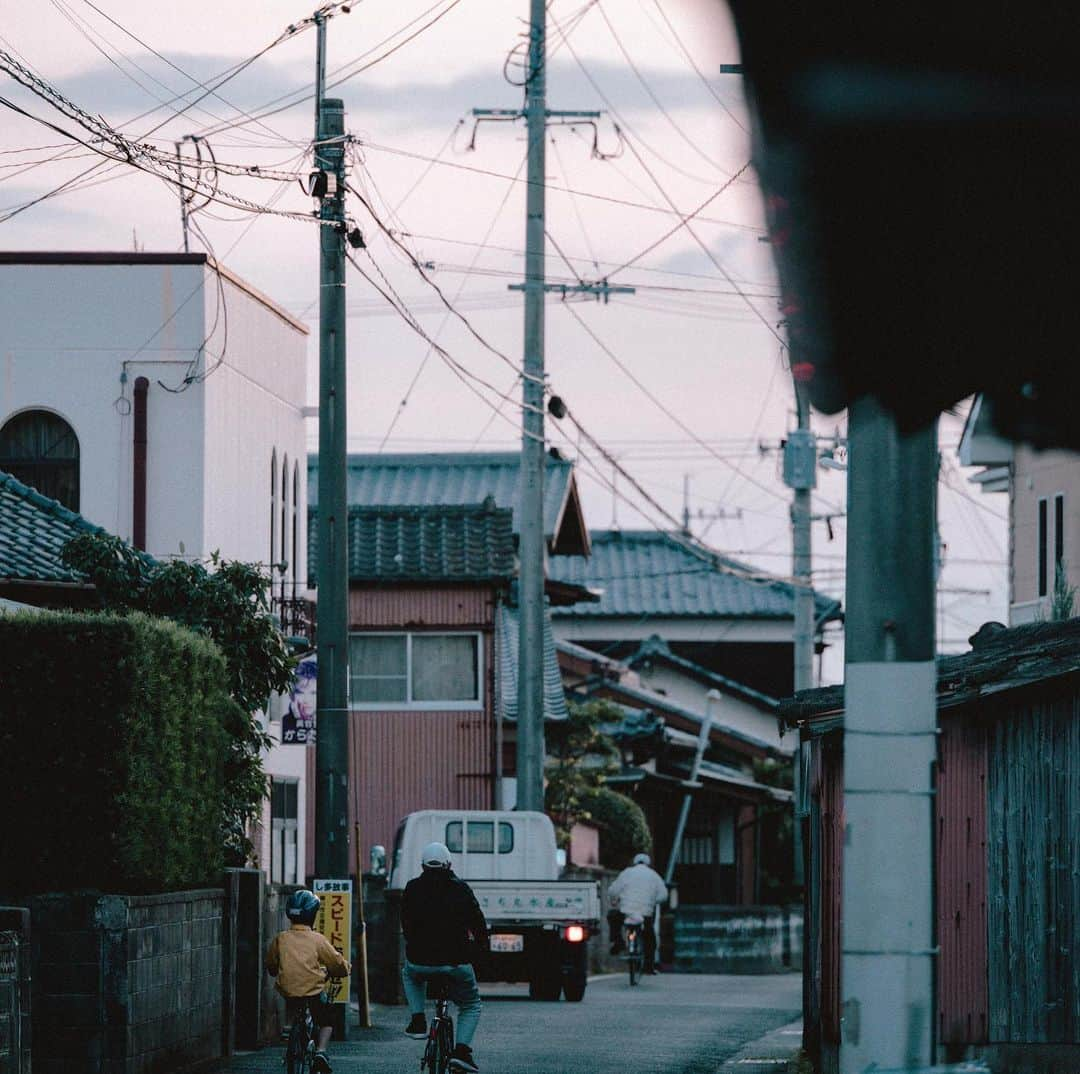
{"x":160,"y":397}
{"x":1006,"y":838}
{"x":1043,"y":491}
{"x":433,"y":630}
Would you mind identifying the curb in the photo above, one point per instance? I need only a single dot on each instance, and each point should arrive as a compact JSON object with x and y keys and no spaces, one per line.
{"x":774,"y":1053}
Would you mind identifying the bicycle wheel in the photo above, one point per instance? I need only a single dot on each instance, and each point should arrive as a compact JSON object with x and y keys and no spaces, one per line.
{"x":296,"y":1051}
{"x":429,"y":1061}
{"x":633,"y":959}
{"x":444,"y":1045}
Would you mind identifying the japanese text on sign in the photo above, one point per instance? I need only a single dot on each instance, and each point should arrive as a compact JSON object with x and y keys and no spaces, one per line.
{"x":334,"y":921}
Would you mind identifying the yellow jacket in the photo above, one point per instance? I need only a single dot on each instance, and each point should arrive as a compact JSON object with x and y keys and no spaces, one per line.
{"x":301,"y":960}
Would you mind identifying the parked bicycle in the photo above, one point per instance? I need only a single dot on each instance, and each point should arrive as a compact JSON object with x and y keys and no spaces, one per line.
{"x":300,"y":1048}
{"x":440,"y":1038}
{"x":633,"y":927}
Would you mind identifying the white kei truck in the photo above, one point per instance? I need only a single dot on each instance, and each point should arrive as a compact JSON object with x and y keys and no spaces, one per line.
{"x":538,"y":924}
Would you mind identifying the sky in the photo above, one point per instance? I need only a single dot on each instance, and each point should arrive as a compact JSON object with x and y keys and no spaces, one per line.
{"x":684,"y":382}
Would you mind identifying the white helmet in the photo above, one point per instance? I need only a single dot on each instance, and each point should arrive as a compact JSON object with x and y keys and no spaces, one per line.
{"x":435,"y":856}
{"x":642,"y":859}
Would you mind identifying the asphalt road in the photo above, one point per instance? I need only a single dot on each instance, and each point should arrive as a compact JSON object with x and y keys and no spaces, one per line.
{"x":675,"y":1024}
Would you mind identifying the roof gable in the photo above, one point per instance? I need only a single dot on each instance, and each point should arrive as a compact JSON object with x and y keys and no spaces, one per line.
{"x":455,"y":478}
{"x":645,"y":572}
{"x":471,"y":543}
{"x":33,"y":534}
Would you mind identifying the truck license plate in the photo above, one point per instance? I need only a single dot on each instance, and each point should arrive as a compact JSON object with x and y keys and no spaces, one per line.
{"x":507,"y":943}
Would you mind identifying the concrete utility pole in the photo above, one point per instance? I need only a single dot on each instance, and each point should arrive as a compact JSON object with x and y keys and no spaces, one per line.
{"x":890,"y":723}
{"x":800,"y":475}
{"x":332,"y":728}
{"x":531,"y":551}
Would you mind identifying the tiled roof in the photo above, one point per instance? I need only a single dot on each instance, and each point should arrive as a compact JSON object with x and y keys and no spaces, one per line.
{"x":471,"y":543}
{"x":655,"y":649}
{"x":1001,"y":660}
{"x":642,"y":572}
{"x":506,"y":648}
{"x":33,"y":532}
{"x":424,"y":480}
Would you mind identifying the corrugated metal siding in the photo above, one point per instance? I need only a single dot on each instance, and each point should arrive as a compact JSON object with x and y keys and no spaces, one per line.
{"x":400,"y":608}
{"x":1034,"y":906}
{"x":961,"y":882}
{"x":832,"y":854}
{"x":404,"y":761}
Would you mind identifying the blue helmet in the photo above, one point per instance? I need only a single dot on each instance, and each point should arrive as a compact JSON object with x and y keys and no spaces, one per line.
{"x":302,"y":907}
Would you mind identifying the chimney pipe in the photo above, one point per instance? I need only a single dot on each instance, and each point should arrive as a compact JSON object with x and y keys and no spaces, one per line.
{"x":138,"y":505}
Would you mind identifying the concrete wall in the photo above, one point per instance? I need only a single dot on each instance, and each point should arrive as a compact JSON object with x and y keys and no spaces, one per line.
{"x":128,"y":984}
{"x":738,"y":939}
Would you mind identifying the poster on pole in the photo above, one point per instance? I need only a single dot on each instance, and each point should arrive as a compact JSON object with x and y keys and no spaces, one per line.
{"x":298,"y":724}
{"x":334,"y":921}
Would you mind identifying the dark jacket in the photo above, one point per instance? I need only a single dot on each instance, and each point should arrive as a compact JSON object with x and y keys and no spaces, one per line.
{"x":439,"y":916}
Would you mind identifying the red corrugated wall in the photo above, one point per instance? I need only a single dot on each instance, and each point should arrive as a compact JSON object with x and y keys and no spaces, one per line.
{"x":961,"y":882}
{"x":829,"y":772}
{"x":398,"y":609}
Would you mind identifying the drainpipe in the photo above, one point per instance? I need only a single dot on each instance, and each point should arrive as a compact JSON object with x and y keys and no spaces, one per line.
{"x":138,"y":495}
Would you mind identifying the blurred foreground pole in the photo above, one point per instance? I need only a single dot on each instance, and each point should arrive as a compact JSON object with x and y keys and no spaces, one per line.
{"x":890,"y":718}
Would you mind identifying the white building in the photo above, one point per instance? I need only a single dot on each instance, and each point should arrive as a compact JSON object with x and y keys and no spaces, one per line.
{"x":161,"y":397}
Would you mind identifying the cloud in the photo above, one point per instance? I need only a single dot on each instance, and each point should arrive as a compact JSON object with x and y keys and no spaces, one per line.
{"x":424,"y":102}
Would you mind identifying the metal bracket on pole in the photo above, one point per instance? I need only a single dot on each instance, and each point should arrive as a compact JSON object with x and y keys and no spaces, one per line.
{"x":601,"y":288}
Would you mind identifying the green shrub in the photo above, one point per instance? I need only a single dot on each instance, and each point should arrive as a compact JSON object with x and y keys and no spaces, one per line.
{"x":112,"y":744}
{"x":624,"y":831}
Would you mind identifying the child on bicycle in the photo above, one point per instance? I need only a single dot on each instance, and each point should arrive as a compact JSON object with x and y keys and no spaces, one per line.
{"x":444,"y":929}
{"x":302,"y":960}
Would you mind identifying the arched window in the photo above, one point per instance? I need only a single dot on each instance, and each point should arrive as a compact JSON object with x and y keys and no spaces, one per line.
{"x":273,"y":512}
{"x":297,"y":566}
{"x":41,"y":450}
{"x":285,"y":556}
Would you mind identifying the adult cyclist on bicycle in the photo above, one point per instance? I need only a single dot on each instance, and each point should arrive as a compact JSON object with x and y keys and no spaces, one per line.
{"x":302,"y":960}
{"x":636,"y":892}
{"x":444,"y":930}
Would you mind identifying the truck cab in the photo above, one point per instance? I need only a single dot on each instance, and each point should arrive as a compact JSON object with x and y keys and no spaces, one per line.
{"x":538,"y":924}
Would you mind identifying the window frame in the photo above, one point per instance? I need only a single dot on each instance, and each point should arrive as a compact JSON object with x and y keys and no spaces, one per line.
{"x":408,"y":704}
{"x":498,"y":827}
{"x":1042,"y":539}
{"x":18,"y":466}
{"x":279,"y":827}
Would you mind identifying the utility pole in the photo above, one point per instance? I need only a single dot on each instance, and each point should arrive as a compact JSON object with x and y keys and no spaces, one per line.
{"x":800,"y":475}
{"x":531,"y":551}
{"x":183,"y":194}
{"x":332,"y":728}
{"x":887,"y":966}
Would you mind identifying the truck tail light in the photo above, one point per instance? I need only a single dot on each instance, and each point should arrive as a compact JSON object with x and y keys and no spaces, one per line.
{"x":575,"y":933}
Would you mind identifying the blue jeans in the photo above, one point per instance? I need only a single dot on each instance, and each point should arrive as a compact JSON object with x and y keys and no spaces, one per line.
{"x":463,"y":991}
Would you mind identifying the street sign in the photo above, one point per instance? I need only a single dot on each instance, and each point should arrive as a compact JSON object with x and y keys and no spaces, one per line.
{"x":334,"y":921}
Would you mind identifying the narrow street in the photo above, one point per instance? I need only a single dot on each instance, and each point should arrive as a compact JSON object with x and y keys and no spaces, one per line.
{"x":675,"y":1024}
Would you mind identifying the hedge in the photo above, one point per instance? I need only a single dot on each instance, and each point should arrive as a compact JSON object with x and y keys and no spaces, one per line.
{"x":624,"y":830}
{"x":112,"y":743}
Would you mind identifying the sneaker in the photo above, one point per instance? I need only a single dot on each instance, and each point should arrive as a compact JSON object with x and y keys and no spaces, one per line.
{"x":417,"y":1028}
{"x":321,"y":1064}
{"x":461,"y":1058}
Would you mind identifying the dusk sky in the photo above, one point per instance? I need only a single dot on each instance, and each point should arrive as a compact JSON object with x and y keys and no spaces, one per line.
{"x":697,"y":339}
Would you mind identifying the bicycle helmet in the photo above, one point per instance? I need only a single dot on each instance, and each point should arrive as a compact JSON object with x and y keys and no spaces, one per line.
{"x":302,"y":907}
{"x":642,"y":859}
{"x":435,"y":856}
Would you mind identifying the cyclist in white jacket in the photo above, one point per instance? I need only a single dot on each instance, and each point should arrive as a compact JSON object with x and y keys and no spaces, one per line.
{"x":636,"y":892}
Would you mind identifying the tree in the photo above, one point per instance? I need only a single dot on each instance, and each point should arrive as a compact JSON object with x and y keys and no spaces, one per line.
{"x":580,"y":758}
{"x":227,"y":602}
{"x":624,"y":831}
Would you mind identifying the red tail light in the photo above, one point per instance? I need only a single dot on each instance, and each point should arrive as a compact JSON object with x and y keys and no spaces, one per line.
{"x":575,"y":933}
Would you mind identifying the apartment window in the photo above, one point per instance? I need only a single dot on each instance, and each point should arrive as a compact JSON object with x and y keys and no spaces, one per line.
{"x":481,"y":836}
{"x":273,"y":510}
{"x":415,"y":670}
{"x":295,"y":530}
{"x":284,"y":856}
{"x":41,"y":450}
{"x":1042,"y":539}
{"x":285,"y":558}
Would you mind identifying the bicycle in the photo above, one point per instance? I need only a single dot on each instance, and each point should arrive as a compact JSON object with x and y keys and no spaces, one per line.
{"x":300,"y":1048}
{"x":634,"y":952}
{"x":440,"y":1038}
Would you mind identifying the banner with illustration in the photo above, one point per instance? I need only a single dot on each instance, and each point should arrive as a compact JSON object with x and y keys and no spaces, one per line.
{"x":298,"y":724}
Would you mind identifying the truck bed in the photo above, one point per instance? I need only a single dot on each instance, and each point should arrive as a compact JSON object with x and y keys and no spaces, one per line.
{"x":529,"y":901}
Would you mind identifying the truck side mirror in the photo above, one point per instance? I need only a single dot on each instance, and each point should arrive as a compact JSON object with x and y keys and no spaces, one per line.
{"x":560,"y":858}
{"x":378,"y":860}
